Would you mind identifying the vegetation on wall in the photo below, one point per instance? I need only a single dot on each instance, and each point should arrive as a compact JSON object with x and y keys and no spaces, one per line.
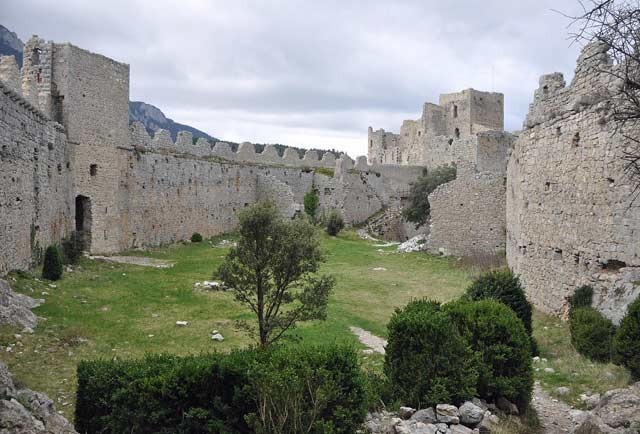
{"x":418,"y":208}
{"x":272,"y":271}
{"x":311,"y":201}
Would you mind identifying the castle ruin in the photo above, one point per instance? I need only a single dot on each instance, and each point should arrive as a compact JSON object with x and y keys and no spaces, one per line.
{"x":555,"y":197}
{"x":71,"y":162}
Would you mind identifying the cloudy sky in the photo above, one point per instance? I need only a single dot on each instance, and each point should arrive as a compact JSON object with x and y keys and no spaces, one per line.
{"x":311,"y":73}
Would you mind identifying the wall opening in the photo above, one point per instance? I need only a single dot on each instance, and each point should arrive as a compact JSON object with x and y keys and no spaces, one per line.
{"x":93,"y":169}
{"x":456,"y":132}
{"x":576,"y":139}
{"x":83,"y":220}
{"x":455,"y":111}
{"x":613,"y":265}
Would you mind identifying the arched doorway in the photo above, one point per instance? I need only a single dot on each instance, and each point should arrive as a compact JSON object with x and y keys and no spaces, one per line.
{"x":83,"y":221}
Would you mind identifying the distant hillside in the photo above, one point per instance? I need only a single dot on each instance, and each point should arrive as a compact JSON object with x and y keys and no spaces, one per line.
{"x":153,"y":119}
{"x":10,"y":44}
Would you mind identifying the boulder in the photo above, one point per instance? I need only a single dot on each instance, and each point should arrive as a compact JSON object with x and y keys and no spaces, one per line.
{"x":594,"y":425}
{"x":460,"y":429}
{"x":447,"y":413}
{"x":507,"y":406}
{"x":470,"y":414}
{"x":590,"y":401}
{"x":426,"y":415}
{"x":406,"y":412}
{"x":15,"y":309}
{"x":23,"y":411}
{"x":620,"y":407}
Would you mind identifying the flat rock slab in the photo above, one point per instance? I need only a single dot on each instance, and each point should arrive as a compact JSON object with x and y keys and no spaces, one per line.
{"x":135,"y":260}
{"x":375,"y":343}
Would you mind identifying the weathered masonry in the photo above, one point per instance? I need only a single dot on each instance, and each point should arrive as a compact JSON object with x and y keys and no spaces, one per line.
{"x":69,"y":161}
{"x":465,"y":129}
{"x":570,"y":215}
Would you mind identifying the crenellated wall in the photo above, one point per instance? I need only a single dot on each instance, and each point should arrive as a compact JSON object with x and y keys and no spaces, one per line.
{"x":571,"y":218}
{"x":36,"y":202}
{"x":246,"y":151}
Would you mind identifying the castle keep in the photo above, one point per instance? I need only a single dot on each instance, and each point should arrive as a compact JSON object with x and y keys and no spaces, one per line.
{"x":555,"y":197}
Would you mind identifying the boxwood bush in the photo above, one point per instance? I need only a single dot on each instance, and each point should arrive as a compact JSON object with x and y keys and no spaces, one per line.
{"x":591,"y":333}
{"x":222,"y":393}
{"x":427,"y":361}
{"x":196,"y":238}
{"x":504,"y":286}
{"x":626,"y":342}
{"x":502,"y":348}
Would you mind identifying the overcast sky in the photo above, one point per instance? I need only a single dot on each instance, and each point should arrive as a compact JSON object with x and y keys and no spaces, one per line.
{"x":313,"y":73}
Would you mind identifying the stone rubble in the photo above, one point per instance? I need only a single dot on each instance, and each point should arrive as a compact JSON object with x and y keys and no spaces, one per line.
{"x":444,"y":419}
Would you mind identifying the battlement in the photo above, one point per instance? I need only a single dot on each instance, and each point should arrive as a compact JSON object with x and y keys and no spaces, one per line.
{"x":246,"y":152}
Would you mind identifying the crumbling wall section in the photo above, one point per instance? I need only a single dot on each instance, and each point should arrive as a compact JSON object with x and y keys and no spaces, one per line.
{"x":571,"y":219}
{"x":35,"y":198}
{"x":468,"y":216}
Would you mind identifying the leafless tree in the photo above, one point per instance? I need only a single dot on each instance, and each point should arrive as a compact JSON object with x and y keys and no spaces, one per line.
{"x":616,"y":23}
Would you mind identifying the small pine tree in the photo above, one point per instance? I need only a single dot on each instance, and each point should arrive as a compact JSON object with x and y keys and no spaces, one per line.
{"x":52,"y":268}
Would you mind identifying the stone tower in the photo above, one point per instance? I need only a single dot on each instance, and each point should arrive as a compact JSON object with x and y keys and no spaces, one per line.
{"x":89,"y":95}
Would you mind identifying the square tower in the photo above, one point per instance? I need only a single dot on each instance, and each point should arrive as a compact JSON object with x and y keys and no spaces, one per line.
{"x":471,"y":111}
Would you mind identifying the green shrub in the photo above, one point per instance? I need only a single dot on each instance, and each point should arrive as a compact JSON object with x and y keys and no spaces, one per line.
{"x":502,"y":347}
{"x":314,"y":389}
{"x":72,"y":248}
{"x":220,"y":393}
{"x":582,"y":297}
{"x":591,"y":333}
{"x":335,"y":223}
{"x":503,"y":286}
{"x":196,"y":238}
{"x":53,"y":265}
{"x":427,"y":360}
{"x":626,"y":342}
{"x":311,"y":201}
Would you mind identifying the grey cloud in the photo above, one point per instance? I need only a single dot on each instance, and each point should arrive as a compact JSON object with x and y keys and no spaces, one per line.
{"x":311,"y":71}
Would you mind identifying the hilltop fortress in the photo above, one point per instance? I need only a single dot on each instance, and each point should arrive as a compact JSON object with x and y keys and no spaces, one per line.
{"x":554,"y":197}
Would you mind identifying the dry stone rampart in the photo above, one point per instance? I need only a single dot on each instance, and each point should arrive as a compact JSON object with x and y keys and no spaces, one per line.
{"x":36,"y":179}
{"x":571,"y":218}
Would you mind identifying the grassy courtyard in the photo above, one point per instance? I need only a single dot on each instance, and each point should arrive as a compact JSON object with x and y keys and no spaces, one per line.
{"x":106,"y":310}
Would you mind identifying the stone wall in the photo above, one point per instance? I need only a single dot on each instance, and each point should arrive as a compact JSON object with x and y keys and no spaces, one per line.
{"x":36,"y":193}
{"x":468,"y":214}
{"x":570,"y":215}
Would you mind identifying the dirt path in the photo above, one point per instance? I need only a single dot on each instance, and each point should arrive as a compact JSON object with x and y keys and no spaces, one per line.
{"x":555,"y":416}
{"x":375,"y":343}
{"x":135,"y":260}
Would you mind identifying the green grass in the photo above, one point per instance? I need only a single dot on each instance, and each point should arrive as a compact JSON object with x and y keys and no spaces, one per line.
{"x":572,"y":370}
{"x":104,"y":310}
